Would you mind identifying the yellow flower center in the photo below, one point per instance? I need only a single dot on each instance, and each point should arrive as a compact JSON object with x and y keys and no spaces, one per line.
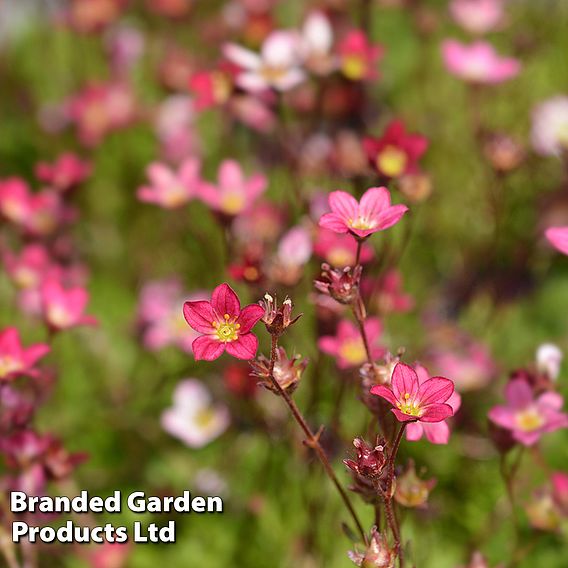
{"x":353,"y":351}
{"x":409,"y":406}
{"x":25,"y":278}
{"x":204,"y":418}
{"x":272,"y":73}
{"x":58,"y":316}
{"x":9,"y":365}
{"x":392,"y":161}
{"x":362,"y":223}
{"x":354,"y":67}
{"x":340,"y":257}
{"x":221,"y":87}
{"x":175,"y":196}
{"x":228,"y":330}
{"x":232,"y":203}
{"x":529,"y":420}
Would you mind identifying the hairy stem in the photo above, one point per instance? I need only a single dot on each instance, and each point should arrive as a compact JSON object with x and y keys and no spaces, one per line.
{"x":312,"y":440}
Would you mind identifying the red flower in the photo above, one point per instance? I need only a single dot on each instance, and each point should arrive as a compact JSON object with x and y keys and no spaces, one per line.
{"x":413,"y":401}
{"x":223,"y":325}
{"x":15,"y":360}
{"x":396,"y":152}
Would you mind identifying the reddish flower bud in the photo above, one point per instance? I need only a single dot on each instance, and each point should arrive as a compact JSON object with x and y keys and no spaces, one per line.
{"x":370,"y":461}
{"x":287,"y":372}
{"x":277,"y":319}
{"x":342,"y":284}
{"x":377,"y":555}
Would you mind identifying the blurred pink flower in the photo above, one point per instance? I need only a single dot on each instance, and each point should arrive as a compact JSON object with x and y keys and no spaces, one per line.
{"x":253,"y":112}
{"x":558,"y":238}
{"x":415,"y":401}
{"x":358,"y":57}
{"x":174,"y":125}
{"x":277,"y":66}
{"x":224,"y":325}
{"x":14,"y":200}
{"x":295,"y":247}
{"x":477,"y":16}
{"x":436,"y":432}
{"x":160,"y":319}
{"x":347,"y":345}
{"x":387,"y":294}
{"x":340,"y":250}
{"x":478,"y":63}
{"x":233,"y":193}
{"x":528,"y":418}
{"x":212,"y":87}
{"x":549,"y":134}
{"x":171,"y":189}
{"x":373,"y":213}
{"x":28,"y":268}
{"x":549,"y":360}
{"x":316,"y":44}
{"x":125,"y":45}
{"x":193,"y":418}
{"x":109,"y":555}
{"x":63,"y":308}
{"x":16,"y":360}
{"x":68,"y":171}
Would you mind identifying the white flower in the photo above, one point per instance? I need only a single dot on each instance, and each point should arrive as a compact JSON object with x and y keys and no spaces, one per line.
{"x":277,"y":66}
{"x":193,"y":418}
{"x":550,"y":126}
{"x":295,"y":247}
{"x":549,"y":359}
{"x":316,"y":44}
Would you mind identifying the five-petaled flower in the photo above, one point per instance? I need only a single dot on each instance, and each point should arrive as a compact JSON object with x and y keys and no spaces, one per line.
{"x":373,"y":213}
{"x":526,"y":417}
{"x":223,"y":325}
{"x":15,"y":360}
{"x":413,"y":401}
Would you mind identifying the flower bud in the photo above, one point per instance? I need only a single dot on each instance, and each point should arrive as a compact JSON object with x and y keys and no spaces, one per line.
{"x":411,"y":491}
{"x":377,"y":555}
{"x":287,"y":372}
{"x":370,"y":461}
{"x":342,"y":284}
{"x":548,"y":360}
{"x":277,"y":319}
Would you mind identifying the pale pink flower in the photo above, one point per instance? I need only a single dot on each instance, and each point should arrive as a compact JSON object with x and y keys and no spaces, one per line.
{"x":109,"y":555}
{"x":316,"y":44}
{"x":478,"y":63}
{"x":435,"y":432}
{"x":558,"y":238}
{"x":477,"y":16}
{"x":169,"y":188}
{"x":277,"y":66}
{"x":528,"y":418}
{"x":340,"y":250}
{"x":193,"y":418}
{"x":387,"y":293}
{"x":234,"y":193}
{"x":28,"y":268}
{"x":347,"y":345}
{"x":549,"y":360}
{"x":414,"y":401}
{"x":125,"y":45}
{"x":373,"y":213}
{"x":253,"y":112}
{"x":63,"y":308}
{"x":549,"y":134}
{"x":160,"y":319}
{"x":295,"y":247}
{"x":16,"y":360}
{"x":174,"y":125}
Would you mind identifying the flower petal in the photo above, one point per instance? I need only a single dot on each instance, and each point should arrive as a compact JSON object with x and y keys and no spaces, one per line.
{"x":414,"y":431}
{"x":225,"y":301}
{"x":374,"y":201}
{"x":384,"y":392}
{"x":249,"y":317}
{"x":437,"y":433}
{"x":435,"y":390}
{"x":402,"y":417}
{"x":518,"y":393}
{"x":205,"y":348}
{"x":436,"y":413}
{"x":391,"y":216}
{"x":333,"y":222}
{"x":404,"y":381}
{"x":244,"y":347}
{"x":343,"y":204}
{"x":200,"y":315}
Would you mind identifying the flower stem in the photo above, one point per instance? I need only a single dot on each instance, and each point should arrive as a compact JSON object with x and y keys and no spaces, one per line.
{"x":312,"y":440}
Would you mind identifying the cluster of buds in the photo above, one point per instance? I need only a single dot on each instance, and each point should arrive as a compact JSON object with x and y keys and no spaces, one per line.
{"x":277,"y":319}
{"x":370,"y":461}
{"x":287,"y":372}
{"x":376,"y":374}
{"x":377,"y":555}
{"x":342,"y":284}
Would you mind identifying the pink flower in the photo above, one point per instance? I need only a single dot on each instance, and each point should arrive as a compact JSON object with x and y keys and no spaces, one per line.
{"x":28,"y":268}
{"x":174,"y":126}
{"x":358,"y":57}
{"x":558,"y":238}
{"x":435,"y":432}
{"x":277,"y":65}
{"x":212,"y":88}
{"x":170,"y":189}
{"x":108,"y":555}
{"x":526,"y":417}
{"x":253,"y":112}
{"x":413,"y":401}
{"x":233,"y":193}
{"x":295,"y":247}
{"x":347,"y":345}
{"x":193,"y":418}
{"x":223,"y":325}
{"x":396,"y":152}
{"x":14,"y":200}
{"x":317,"y":44}
{"x":160,"y":318}
{"x":63,"y":308}
{"x":373,"y":213}
{"x":549,"y":135}
{"x":66,"y":172}
{"x":16,"y":360}
{"x":387,"y":294}
{"x":340,"y":250}
{"x":477,"y":16}
{"x":478,"y":62}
